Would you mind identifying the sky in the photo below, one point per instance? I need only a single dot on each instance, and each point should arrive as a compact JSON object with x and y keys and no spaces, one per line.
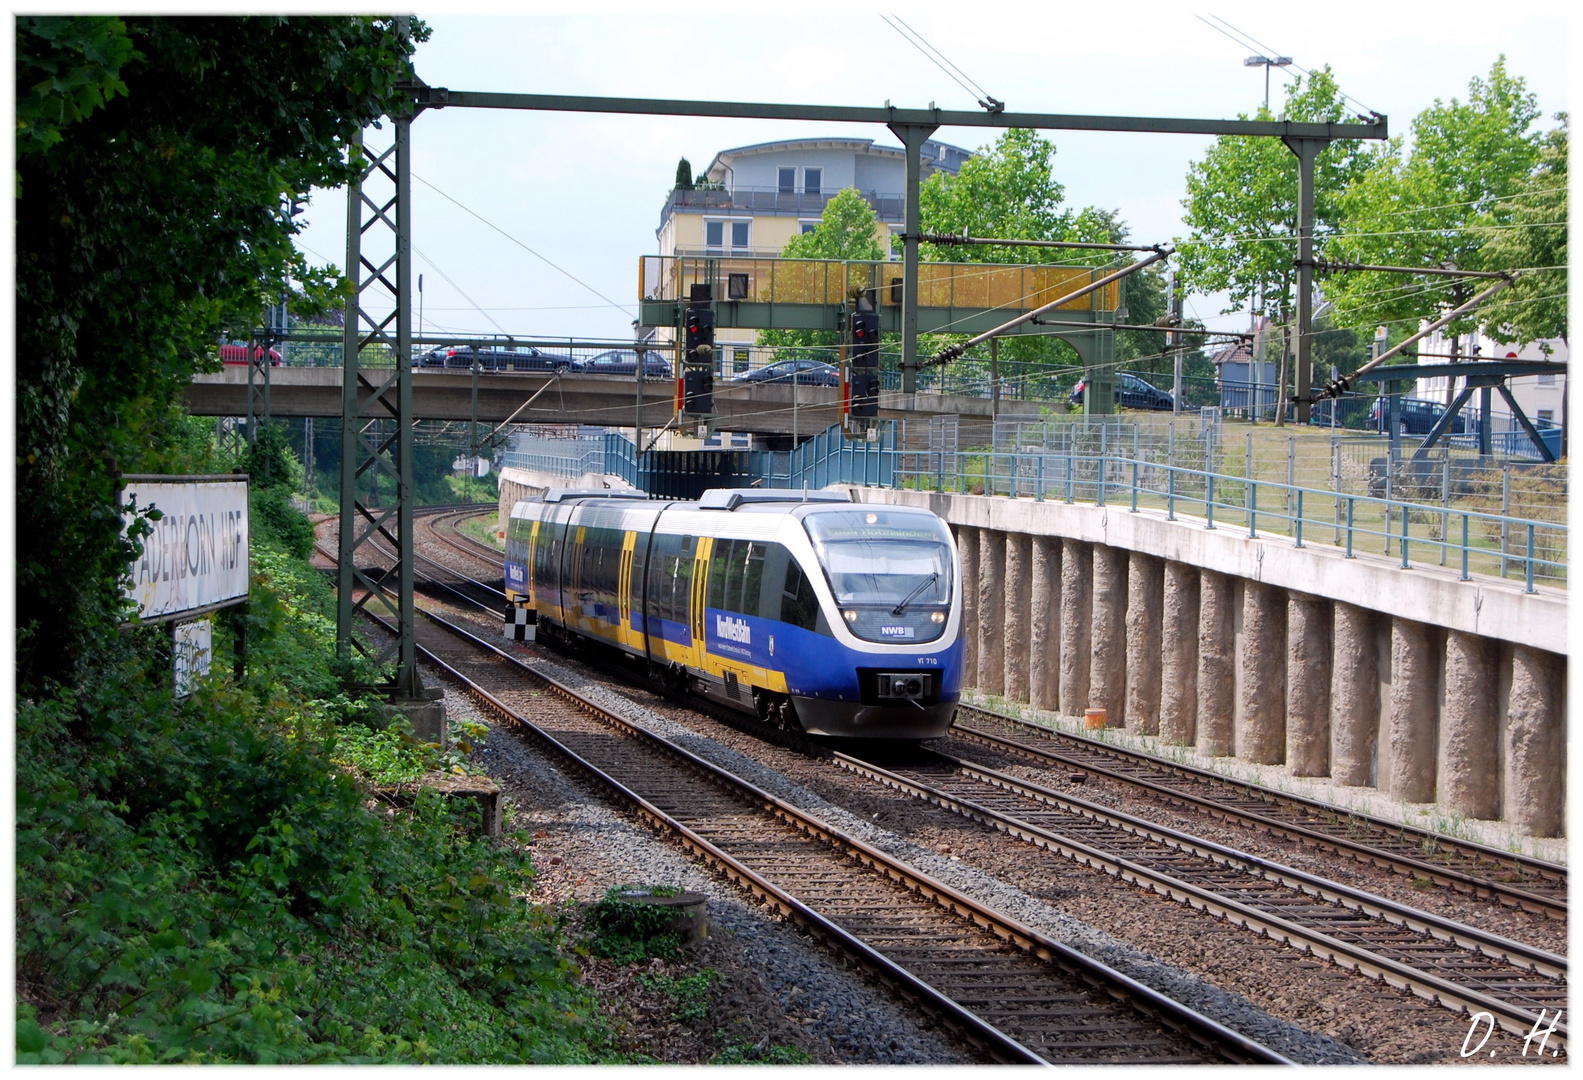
{"x":584,"y":192}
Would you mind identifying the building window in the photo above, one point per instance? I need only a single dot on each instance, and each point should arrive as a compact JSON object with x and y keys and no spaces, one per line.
{"x":1547,"y":379}
{"x":714,"y":234}
{"x":809,"y":226}
{"x":812,"y":180}
{"x":788,"y":181}
{"x":739,"y":235}
{"x":1547,"y":418}
{"x":739,"y":361}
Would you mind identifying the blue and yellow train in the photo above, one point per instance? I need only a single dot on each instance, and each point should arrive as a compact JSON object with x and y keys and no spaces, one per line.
{"x":806,"y":609}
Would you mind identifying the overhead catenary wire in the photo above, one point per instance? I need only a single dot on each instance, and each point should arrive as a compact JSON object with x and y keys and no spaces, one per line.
{"x":941,"y":61}
{"x":1339,"y":386}
{"x":537,"y":255}
{"x":951,"y":352}
{"x":1248,"y":41}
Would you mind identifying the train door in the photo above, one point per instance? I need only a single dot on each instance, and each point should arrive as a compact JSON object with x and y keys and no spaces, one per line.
{"x":700,"y":586}
{"x":626,"y":631}
{"x":530,"y":561}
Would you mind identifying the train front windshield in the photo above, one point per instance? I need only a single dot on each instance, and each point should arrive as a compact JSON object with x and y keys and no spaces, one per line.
{"x":890,"y":571}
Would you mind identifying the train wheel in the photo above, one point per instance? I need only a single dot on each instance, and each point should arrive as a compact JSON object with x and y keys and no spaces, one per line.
{"x":786,"y":716}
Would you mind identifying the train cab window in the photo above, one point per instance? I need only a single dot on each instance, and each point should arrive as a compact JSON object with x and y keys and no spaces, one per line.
{"x":799,"y":606}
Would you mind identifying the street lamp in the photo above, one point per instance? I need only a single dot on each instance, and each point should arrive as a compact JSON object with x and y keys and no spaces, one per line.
{"x":1267,"y":62}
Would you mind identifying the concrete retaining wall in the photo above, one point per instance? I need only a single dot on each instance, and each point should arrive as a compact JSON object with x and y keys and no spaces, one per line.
{"x":519,"y":484}
{"x":1428,"y":688}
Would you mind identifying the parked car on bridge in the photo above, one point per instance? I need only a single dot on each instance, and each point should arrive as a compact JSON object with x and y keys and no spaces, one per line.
{"x":526,"y":358}
{"x":625,"y":362}
{"x":801,"y":372}
{"x":1131,"y":393}
{"x":1413,"y":416}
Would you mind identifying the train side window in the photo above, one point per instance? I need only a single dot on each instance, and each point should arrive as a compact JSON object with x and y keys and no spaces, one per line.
{"x":682,"y":596}
{"x":752,"y":579}
{"x":664,"y":576}
{"x":719,"y":559}
{"x":799,"y":606}
{"x":735,"y":564}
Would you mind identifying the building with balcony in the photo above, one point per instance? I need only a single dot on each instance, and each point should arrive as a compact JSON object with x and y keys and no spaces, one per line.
{"x":752,"y":199}
{"x":755,"y":198}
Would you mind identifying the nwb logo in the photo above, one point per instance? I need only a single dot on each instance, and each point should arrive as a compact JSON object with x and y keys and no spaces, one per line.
{"x":733,"y":629}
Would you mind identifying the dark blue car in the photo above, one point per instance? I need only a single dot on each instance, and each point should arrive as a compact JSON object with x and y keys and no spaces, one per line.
{"x":1131,"y":393}
{"x":625,"y":362}
{"x":801,"y":372}
{"x":525,"y":358}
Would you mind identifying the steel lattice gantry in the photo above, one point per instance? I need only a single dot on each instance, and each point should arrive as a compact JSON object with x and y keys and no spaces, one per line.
{"x":376,"y":429}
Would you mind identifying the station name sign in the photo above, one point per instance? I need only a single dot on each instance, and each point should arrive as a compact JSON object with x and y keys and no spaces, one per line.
{"x":196,"y":558}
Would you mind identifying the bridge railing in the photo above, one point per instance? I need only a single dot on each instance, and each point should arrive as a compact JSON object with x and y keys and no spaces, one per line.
{"x":1419,"y":533}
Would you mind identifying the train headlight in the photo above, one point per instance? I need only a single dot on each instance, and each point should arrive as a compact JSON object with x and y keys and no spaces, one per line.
{"x":872,"y":519}
{"x":937,"y":617}
{"x":849,"y":616}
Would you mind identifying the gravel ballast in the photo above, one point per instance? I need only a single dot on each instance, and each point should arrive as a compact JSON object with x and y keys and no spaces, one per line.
{"x":784,"y":987}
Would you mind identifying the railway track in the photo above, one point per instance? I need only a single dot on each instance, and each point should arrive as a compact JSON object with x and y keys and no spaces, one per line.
{"x":1458,"y":966}
{"x":1442,"y":961}
{"x":1530,"y":884}
{"x":1013,"y":992}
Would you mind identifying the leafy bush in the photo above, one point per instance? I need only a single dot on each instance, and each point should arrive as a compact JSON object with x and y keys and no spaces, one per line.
{"x":626,"y":931}
{"x":199,"y":880}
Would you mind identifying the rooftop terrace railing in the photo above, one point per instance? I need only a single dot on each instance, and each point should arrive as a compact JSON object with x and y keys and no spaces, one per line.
{"x":889,"y":206}
{"x":965,"y":286}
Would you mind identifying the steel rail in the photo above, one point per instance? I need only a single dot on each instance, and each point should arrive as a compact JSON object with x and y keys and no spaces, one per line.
{"x":1196,"y":1028}
{"x":1463,"y":881}
{"x":1424,"y":984}
{"x":985,"y":1036}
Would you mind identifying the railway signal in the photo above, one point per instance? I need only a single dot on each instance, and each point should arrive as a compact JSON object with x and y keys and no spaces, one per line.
{"x":696,"y":384}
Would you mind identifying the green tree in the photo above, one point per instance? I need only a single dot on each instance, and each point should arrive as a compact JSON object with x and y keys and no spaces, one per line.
{"x":157,"y":158}
{"x":1007,"y":190}
{"x":1433,"y":205}
{"x":1533,"y":234}
{"x":847,"y":229}
{"x":684,"y":173}
{"x":1242,"y":203}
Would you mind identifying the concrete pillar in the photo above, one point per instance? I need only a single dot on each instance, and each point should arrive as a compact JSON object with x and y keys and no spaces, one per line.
{"x":1019,"y":554}
{"x":967,"y":548}
{"x":1468,"y":779}
{"x":1307,"y":685}
{"x":1076,"y":611}
{"x":991,"y":611}
{"x":1262,"y":737}
{"x":1411,"y":746}
{"x":1108,"y":650}
{"x":1044,"y":625}
{"x":1354,"y":695}
{"x":1145,"y":599}
{"x":1217,"y":675}
{"x":1179,"y":655}
{"x":1536,"y":743}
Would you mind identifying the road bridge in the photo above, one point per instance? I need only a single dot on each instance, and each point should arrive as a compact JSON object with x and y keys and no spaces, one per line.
{"x":759,"y":408}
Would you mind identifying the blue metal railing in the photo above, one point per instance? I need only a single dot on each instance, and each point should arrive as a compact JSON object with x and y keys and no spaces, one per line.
{"x":827,"y":458}
{"x":1415,"y":532}
{"x":568,"y":458}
